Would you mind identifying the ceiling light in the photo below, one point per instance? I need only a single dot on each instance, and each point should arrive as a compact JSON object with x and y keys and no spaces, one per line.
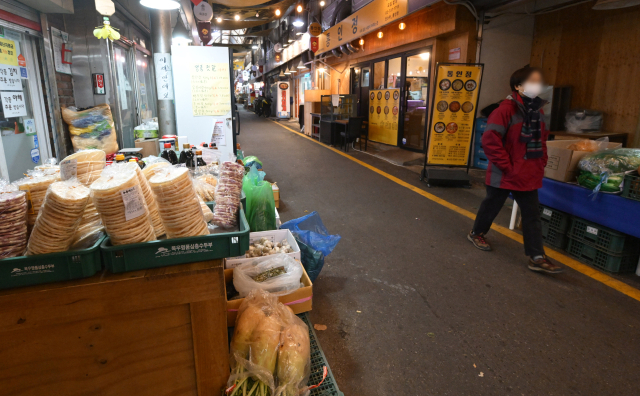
{"x":281,"y":73}
{"x":255,"y":47}
{"x":402,"y":25}
{"x":298,"y":23}
{"x":322,"y":4}
{"x":161,"y":4}
{"x":299,"y":8}
{"x":361,"y":42}
{"x":278,"y":12}
{"x":380,"y":34}
{"x":257,"y":15}
{"x":321,"y":69}
{"x":236,"y":17}
{"x":219,"y":19}
{"x":424,"y":55}
{"x":287,"y":71}
{"x":180,"y":34}
{"x":301,"y":65}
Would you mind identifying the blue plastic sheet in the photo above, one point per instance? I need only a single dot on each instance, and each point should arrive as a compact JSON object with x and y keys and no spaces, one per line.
{"x":310,"y":230}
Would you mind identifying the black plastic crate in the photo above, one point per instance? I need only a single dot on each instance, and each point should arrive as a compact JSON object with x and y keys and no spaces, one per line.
{"x":609,"y":262}
{"x":603,"y":238}
{"x":318,"y":361}
{"x":553,"y":237}
{"x":558,"y":220}
{"x":631,"y":188}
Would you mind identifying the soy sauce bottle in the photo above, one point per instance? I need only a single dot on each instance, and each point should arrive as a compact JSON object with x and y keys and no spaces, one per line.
{"x":186,"y":156}
{"x":169,"y":154}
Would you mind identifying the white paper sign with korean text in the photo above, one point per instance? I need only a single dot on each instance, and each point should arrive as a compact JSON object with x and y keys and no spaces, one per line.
{"x":10,"y":79}
{"x":164,"y":76}
{"x":13,"y":104}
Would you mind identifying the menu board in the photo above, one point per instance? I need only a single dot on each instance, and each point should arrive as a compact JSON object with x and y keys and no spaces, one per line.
{"x":454,"y":113}
{"x":210,"y":92}
{"x":384,"y":107}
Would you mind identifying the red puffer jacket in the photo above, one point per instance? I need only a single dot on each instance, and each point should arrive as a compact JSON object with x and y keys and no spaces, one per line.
{"x":508,"y":168}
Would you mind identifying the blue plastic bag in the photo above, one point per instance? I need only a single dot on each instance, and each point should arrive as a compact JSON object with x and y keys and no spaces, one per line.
{"x":310,"y":230}
{"x":312,"y":260}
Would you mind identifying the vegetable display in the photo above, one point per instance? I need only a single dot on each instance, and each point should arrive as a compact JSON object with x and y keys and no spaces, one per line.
{"x":604,"y":170}
{"x":270,"y":349}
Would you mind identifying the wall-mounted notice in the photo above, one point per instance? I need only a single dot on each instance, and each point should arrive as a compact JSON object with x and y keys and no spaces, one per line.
{"x":13,"y":104}
{"x":57,"y":39}
{"x":8,"y":55}
{"x":210,"y":93}
{"x":164,"y":77}
{"x":10,"y":78}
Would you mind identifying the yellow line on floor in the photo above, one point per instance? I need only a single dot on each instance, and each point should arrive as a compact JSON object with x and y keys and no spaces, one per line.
{"x":564,"y":259}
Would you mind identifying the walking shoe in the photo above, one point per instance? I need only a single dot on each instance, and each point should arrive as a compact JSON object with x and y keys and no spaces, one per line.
{"x":479,"y":241}
{"x":543,"y":264}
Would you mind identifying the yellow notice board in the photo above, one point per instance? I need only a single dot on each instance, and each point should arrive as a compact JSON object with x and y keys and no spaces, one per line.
{"x":210,"y":89}
{"x":454,"y":113}
{"x":384,"y":110}
{"x":8,"y":55}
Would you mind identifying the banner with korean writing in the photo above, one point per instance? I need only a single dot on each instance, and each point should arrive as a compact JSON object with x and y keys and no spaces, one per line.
{"x":282,"y":100}
{"x":8,"y":54}
{"x":164,"y":76}
{"x":13,"y":104}
{"x":210,"y":94}
{"x":384,"y":109}
{"x":454,"y":113}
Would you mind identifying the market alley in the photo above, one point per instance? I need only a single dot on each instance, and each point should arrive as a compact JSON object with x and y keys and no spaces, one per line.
{"x":412,"y":308}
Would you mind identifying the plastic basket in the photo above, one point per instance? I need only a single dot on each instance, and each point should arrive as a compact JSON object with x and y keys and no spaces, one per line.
{"x":631,"y":188}
{"x":480,"y":162}
{"x":553,"y":237}
{"x":52,"y":267}
{"x":603,"y":238}
{"x":167,"y":252}
{"x":609,"y":262}
{"x":558,"y":220}
{"x":318,"y":361}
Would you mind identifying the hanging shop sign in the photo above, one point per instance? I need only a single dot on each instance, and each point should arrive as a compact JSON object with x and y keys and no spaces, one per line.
{"x":164,"y":78}
{"x":238,"y":64}
{"x":204,"y":31}
{"x":210,"y":95}
{"x":384,"y":109}
{"x":283,"y":110}
{"x":315,"y":29}
{"x":453,"y":113}
{"x":314,"y":44}
{"x":203,"y":12}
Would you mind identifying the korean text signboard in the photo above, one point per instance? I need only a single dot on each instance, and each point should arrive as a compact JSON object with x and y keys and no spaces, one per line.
{"x":13,"y":104}
{"x":210,"y":93}
{"x":283,"y":110}
{"x":8,"y":55}
{"x":384,"y":108}
{"x":164,"y":76}
{"x":453,"y":115}
{"x":10,"y":79}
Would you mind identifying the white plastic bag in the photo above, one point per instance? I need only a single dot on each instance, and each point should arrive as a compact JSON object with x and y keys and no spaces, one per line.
{"x":288,"y":282}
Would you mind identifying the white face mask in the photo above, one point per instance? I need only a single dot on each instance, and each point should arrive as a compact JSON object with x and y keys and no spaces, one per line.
{"x":532,"y":90}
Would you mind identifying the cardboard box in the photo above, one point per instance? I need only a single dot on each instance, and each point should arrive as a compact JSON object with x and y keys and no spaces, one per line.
{"x":299,"y":301}
{"x":148,"y":146}
{"x":563,"y":162}
{"x":273,"y":236}
{"x":276,"y":194}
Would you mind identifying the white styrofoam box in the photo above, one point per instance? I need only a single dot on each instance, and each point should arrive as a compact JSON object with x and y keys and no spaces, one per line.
{"x":274,"y":236}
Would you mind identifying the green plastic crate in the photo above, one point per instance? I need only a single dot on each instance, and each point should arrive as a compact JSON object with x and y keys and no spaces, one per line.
{"x":553,"y":237}
{"x":318,"y":361}
{"x":603,"y":238}
{"x":609,"y":262}
{"x":631,"y":188}
{"x":162,"y":253}
{"x":52,"y":267}
{"x":558,"y":220}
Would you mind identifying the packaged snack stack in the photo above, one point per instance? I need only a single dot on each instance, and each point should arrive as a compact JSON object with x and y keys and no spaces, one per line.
{"x":119,"y":200}
{"x":208,"y":214}
{"x":13,"y":222}
{"x":150,"y":200}
{"x":227,"y":195}
{"x":205,"y":190}
{"x":92,"y":128}
{"x":35,"y":185}
{"x":178,"y":203}
{"x":153,"y":165}
{"x":59,"y":217}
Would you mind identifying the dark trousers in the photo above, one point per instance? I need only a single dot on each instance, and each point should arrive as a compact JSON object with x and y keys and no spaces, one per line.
{"x":531,"y":224}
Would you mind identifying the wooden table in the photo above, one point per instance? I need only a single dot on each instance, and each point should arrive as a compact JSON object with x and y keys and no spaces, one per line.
{"x":618,"y":137}
{"x":155,"y":332}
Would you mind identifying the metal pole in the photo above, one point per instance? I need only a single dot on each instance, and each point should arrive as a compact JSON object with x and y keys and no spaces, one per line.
{"x":161,"y":40}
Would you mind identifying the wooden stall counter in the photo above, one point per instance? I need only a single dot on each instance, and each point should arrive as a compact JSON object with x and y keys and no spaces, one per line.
{"x":154,"y":332}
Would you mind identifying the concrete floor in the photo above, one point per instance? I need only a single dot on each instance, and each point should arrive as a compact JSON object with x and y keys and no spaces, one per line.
{"x":412,"y":308}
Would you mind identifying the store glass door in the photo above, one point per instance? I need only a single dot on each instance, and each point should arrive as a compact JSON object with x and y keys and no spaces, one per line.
{"x":125,"y":83}
{"x":360,"y":81}
{"x":415,"y":100}
{"x":145,"y":87}
{"x":24,"y":135}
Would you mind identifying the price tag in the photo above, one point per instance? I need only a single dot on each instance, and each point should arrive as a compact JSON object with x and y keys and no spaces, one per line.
{"x":68,"y":169}
{"x":547,"y":212}
{"x":592,"y":230}
{"x":133,"y":203}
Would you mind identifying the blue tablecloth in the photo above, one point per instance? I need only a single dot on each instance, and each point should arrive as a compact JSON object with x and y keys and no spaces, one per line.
{"x":609,"y":210}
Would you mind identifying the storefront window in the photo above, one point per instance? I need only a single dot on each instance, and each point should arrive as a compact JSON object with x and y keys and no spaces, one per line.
{"x":378,"y":75}
{"x":145,"y":87}
{"x":324,"y":79}
{"x":305,"y":83}
{"x":416,"y":100}
{"x":394,"y":77}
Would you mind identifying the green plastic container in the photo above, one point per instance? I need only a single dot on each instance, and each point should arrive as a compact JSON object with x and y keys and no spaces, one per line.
{"x":52,"y":267}
{"x":558,"y":220}
{"x":162,"y":253}
{"x":631,"y":188}
{"x":318,"y":361}
{"x":553,"y":237}
{"x":603,"y":238}
{"x":609,"y":262}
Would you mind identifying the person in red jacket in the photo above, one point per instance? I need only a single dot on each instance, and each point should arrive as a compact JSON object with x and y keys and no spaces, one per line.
{"x":515,"y":142}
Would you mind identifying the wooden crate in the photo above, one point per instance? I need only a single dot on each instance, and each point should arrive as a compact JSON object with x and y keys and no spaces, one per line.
{"x":154,"y":332}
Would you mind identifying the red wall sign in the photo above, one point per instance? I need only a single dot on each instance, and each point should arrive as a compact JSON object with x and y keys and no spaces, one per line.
{"x":314,"y":44}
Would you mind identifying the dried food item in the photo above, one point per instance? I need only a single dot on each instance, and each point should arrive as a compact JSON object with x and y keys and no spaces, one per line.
{"x":585,"y":145}
{"x":13,"y":221}
{"x":153,"y":164}
{"x":206,"y":211}
{"x":264,"y":247}
{"x":227,"y":194}
{"x":268,"y":274}
{"x":204,"y":190}
{"x":35,"y":184}
{"x":284,"y":283}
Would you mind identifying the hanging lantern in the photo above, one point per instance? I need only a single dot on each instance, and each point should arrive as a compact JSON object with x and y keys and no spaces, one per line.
{"x":380,"y":34}
{"x":402,"y":25}
{"x":106,"y":31}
